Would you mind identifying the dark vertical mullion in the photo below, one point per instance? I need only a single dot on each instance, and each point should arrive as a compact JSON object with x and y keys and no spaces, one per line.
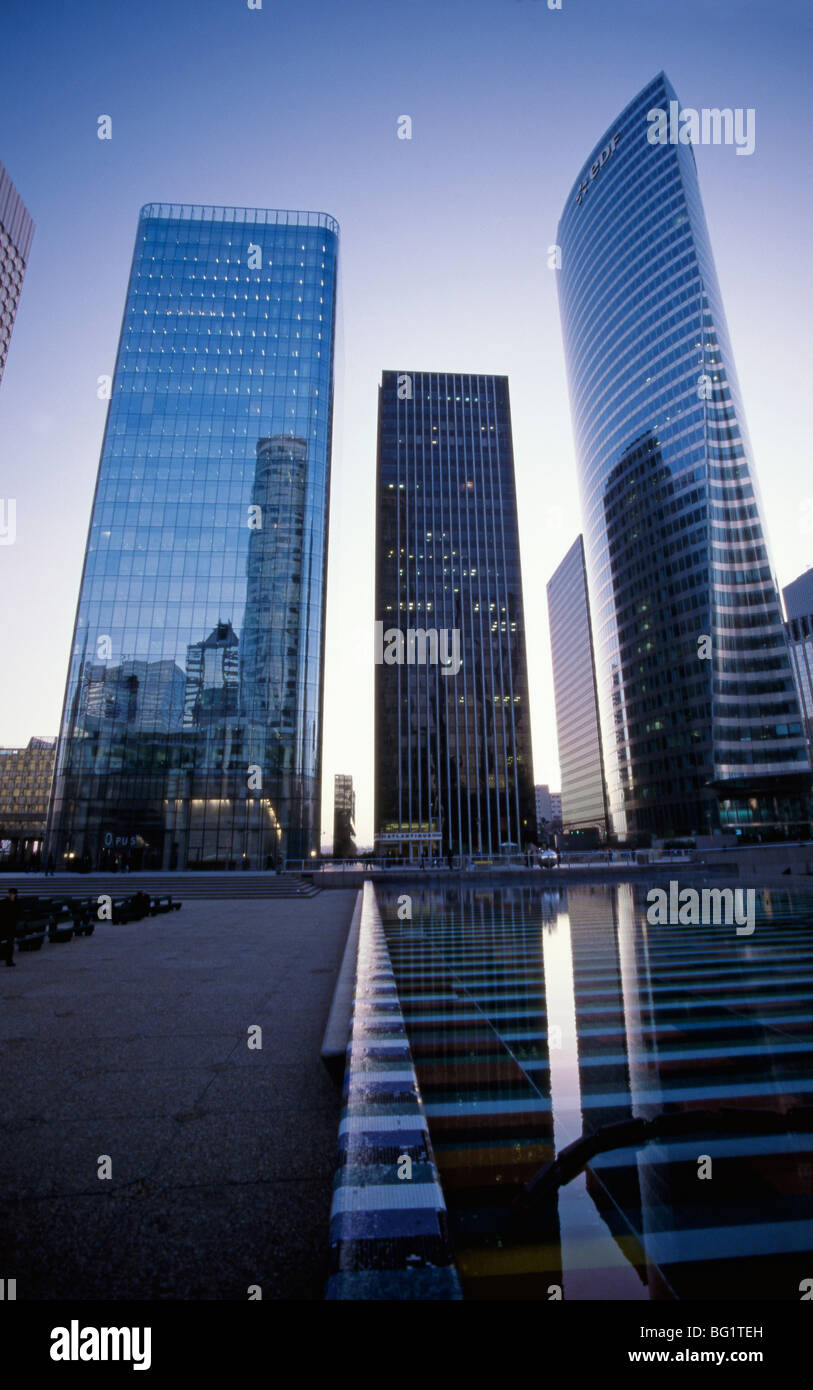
{"x":488,"y":655}
{"x":398,"y":586}
{"x":446,"y":533}
{"x":418,"y":684}
{"x":463,"y":764}
{"x":436,"y":510}
{"x":467,"y":617}
{"x":431,"y":676}
{"x":408,"y":513}
{"x":479,"y":499}
{"x":520,"y":616}
{"x":500,"y":580}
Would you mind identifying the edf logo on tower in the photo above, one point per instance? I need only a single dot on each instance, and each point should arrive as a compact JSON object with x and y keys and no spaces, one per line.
{"x":597,"y":165}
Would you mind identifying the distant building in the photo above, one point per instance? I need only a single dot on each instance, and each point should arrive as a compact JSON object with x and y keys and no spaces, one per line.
{"x":583,"y":801}
{"x":25,"y":785}
{"x":798,"y":598}
{"x":543,"y":810}
{"x":16,"y":232}
{"x":452,"y":723}
{"x":548,"y":812}
{"x":344,"y":817}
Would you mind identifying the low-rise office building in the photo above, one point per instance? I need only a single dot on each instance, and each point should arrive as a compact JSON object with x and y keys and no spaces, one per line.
{"x":25,"y":786}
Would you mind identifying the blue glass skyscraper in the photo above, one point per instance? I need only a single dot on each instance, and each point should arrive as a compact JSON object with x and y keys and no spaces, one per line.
{"x":700,"y":721}
{"x":16,"y":235}
{"x":191,"y":732}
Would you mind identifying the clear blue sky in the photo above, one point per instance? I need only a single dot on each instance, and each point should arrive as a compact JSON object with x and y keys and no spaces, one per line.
{"x":444,"y":242}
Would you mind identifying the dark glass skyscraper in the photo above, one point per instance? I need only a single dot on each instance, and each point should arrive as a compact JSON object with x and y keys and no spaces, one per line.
{"x":191,"y":731}
{"x":452,"y":737}
{"x":700,"y":722}
{"x":16,"y":233}
{"x":584,"y":802}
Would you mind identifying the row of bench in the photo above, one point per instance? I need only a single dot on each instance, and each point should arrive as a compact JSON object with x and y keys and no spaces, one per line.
{"x":62,"y":918}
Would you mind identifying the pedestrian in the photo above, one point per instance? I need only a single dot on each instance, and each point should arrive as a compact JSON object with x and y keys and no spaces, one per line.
{"x":49,"y":866}
{"x":9,"y":917}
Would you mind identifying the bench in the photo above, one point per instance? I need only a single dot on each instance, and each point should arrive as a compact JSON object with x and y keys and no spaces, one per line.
{"x":163,"y":903}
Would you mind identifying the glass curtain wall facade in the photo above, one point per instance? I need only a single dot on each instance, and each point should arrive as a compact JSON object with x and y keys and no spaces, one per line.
{"x":800,"y":643}
{"x":700,"y":722}
{"x":191,"y":732}
{"x":453,"y":770}
{"x":574,"y":684}
{"x":798,"y":598}
{"x":16,"y":234}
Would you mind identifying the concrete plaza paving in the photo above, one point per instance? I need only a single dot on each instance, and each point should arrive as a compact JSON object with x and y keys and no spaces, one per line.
{"x":132,"y":1043}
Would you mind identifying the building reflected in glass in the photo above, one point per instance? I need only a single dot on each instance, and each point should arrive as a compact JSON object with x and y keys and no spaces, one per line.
{"x":191,"y":732}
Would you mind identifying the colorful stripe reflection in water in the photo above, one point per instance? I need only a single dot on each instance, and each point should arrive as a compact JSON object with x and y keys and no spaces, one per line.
{"x":536,"y":1016}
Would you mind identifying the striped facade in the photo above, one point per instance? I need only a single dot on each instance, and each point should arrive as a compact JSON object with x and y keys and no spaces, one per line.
{"x":453,"y":767}
{"x":16,"y":233}
{"x":584,"y":801}
{"x":700,"y":722}
{"x":388,"y":1232}
{"x":537,"y":1016}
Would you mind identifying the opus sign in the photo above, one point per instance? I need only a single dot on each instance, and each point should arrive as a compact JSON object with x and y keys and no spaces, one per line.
{"x":597,"y":165}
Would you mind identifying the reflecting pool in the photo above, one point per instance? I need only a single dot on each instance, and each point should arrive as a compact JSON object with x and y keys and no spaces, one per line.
{"x":538,"y":1015}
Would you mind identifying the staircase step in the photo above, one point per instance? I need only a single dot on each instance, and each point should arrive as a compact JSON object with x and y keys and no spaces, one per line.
{"x":182,"y":886}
